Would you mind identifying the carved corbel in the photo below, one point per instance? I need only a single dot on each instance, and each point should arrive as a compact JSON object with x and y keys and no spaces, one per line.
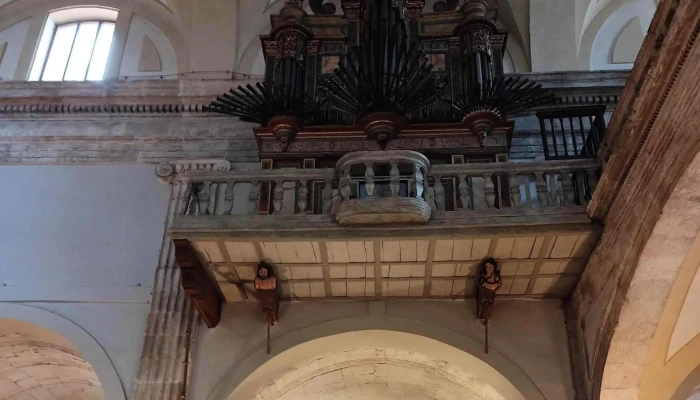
{"x":167,"y":170}
{"x":198,"y":283}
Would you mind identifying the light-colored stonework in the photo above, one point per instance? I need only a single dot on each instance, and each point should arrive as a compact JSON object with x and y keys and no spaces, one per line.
{"x":647,"y":199}
{"x":663,"y":255}
{"x":32,"y":369}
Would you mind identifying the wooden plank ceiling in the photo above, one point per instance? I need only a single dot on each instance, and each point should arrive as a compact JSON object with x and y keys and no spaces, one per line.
{"x":531,"y":266}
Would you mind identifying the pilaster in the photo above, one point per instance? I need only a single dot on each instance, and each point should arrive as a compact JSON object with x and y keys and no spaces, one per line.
{"x":173,"y":321}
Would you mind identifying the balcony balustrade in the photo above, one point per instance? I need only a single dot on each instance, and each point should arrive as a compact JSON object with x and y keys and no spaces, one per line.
{"x":390,"y":187}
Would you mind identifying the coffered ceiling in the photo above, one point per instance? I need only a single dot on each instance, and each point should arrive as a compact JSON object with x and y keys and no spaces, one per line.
{"x":531,"y":266}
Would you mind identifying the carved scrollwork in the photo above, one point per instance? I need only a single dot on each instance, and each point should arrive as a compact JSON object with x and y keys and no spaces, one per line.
{"x":167,"y":169}
{"x":445,"y":5}
{"x":481,"y":41}
{"x":319,"y":7}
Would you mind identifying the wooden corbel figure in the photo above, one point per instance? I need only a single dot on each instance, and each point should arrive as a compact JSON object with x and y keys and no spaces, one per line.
{"x":488,"y":284}
{"x":266,"y":288}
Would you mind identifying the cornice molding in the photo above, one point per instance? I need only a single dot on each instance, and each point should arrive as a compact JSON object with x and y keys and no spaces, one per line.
{"x":180,"y":97}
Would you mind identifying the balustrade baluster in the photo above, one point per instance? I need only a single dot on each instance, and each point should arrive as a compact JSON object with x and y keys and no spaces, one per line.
{"x":345,"y":184}
{"x":567,"y":187}
{"x":369,"y":178}
{"x":419,"y":184}
{"x":394,"y":179}
{"x":289,"y":197}
{"x":514,"y":186}
{"x":439,"y":194}
{"x":579,"y":180}
{"x":253,"y":196}
{"x":204,"y":198}
{"x":230,"y":196}
{"x":430,"y":198}
{"x":335,"y":201}
{"x":554,"y":182}
{"x":192,"y":207}
{"x":213,"y":197}
{"x":303,"y":196}
{"x":277,"y":197}
{"x":541,"y":186}
{"x":489,"y":191}
{"x":463,"y":191}
{"x":327,"y":193}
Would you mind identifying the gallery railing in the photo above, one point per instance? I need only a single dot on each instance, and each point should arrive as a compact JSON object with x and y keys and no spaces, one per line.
{"x":363,"y":182}
{"x":573,"y":132}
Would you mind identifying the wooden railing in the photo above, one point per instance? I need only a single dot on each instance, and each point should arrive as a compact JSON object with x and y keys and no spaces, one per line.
{"x":572,"y":133}
{"x":387,"y":174}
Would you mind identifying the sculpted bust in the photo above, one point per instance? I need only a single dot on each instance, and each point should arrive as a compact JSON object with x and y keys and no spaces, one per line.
{"x":489,"y":282}
{"x":264,"y":279}
{"x":490,"y":277}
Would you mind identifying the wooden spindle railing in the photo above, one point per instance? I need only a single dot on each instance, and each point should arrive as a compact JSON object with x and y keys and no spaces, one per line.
{"x":572,"y":133}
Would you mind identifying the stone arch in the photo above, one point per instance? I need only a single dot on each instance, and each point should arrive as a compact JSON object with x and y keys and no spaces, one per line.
{"x":86,"y":345}
{"x":603,"y":24}
{"x":346,"y":333}
{"x":640,"y":363}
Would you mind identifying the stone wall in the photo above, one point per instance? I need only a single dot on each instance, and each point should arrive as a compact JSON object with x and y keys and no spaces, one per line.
{"x":527,"y":339}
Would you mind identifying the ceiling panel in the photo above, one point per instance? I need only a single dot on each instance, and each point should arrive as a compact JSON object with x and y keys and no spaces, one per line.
{"x":531,"y":265}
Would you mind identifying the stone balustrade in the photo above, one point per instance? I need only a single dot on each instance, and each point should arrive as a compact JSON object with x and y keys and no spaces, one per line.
{"x":382,"y":187}
{"x":489,"y":186}
{"x":389,"y":187}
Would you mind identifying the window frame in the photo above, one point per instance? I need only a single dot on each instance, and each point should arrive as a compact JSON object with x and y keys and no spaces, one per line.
{"x":65,"y":16}
{"x":100,"y":24}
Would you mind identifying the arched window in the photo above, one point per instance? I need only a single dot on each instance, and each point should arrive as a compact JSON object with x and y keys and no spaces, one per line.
{"x":75,"y":45}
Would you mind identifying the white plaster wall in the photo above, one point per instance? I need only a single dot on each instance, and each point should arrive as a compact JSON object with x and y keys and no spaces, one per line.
{"x":605,"y":39}
{"x":553,"y":35}
{"x":15,"y":37}
{"x":139,"y":28}
{"x":527,"y":338}
{"x":82,"y":242}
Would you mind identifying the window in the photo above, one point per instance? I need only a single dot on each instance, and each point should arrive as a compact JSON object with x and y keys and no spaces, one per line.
{"x":71,"y":50}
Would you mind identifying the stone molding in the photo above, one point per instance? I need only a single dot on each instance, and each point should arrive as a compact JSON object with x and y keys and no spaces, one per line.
{"x":191,"y":97}
{"x":167,"y":170}
{"x":127,"y":109}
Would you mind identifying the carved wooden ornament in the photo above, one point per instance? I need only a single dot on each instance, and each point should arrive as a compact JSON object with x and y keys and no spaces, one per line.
{"x":268,"y":295}
{"x":198,"y":283}
{"x":487,"y":285}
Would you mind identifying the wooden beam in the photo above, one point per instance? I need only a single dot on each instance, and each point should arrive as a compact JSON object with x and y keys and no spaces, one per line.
{"x":198,"y":283}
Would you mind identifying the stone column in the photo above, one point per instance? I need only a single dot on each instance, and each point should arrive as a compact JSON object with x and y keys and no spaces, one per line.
{"x":172,"y":324}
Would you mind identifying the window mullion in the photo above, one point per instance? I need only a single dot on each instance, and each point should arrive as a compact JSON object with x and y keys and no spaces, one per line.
{"x":94,"y":45}
{"x":70,"y":53}
{"x":48,"y":53}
